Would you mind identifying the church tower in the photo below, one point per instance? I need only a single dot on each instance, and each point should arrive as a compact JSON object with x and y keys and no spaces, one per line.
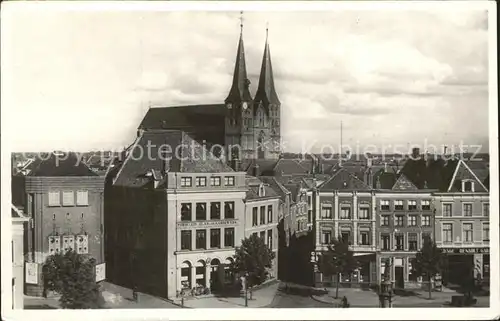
{"x":239,"y":109}
{"x":267,"y":128}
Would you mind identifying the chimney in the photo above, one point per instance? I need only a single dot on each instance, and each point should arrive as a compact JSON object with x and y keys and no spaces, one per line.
{"x":378,"y":185}
{"x":256,"y":171}
{"x":385,"y":167}
{"x":415,"y":152}
{"x":444,"y":149}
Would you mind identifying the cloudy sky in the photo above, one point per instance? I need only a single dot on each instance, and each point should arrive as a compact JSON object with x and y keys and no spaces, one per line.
{"x":84,"y":79}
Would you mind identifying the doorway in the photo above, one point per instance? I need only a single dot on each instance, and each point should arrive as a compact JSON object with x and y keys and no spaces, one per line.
{"x":399,"y":277}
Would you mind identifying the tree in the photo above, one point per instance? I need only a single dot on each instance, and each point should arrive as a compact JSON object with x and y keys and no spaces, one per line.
{"x":253,"y":258}
{"x":73,"y":276}
{"x":339,"y":259}
{"x":428,"y":261}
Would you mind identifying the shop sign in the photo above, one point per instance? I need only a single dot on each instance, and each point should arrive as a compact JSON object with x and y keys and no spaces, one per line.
{"x":472,"y":250}
{"x":206,"y":223}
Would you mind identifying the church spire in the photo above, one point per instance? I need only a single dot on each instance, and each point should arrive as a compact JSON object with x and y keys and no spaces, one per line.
{"x":266,"y":93}
{"x":240,"y":88}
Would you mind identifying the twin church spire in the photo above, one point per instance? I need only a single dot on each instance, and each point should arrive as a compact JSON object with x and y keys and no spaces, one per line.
{"x":240,"y":88}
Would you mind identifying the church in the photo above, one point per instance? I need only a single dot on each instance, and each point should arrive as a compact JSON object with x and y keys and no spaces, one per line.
{"x":243,"y":127}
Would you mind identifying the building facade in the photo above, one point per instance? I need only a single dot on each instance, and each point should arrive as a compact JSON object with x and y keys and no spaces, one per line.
{"x":173,"y":225}
{"x":64,"y":200}
{"x":463,"y":227}
{"x":19,"y":225}
{"x":346,"y":211}
{"x":405,"y":216}
{"x":262,"y":216}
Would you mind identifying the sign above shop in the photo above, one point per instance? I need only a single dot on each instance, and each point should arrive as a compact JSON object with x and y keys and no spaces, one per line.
{"x":207,"y":223}
{"x":471,"y":250}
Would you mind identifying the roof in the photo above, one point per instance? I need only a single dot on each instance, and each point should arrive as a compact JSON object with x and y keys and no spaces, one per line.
{"x":294,"y":190}
{"x":404,"y":184}
{"x":201,"y":122}
{"x":57,"y":165}
{"x":463,"y":172}
{"x":240,"y":87}
{"x":254,"y":184}
{"x":288,"y":167}
{"x":17,"y":213}
{"x":344,"y":180}
{"x":266,"y":92}
{"x":278,"y":188}
{"x":266,"y":166}
{"x":383,"y":179}
{"x":183,"y":155}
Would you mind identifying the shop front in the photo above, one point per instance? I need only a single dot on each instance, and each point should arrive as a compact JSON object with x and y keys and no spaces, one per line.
{"x":466,"y":267}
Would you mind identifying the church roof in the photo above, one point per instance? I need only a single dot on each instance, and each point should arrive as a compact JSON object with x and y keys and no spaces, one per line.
{"x":266,"y":92}
{"x":186,"y":155}
{"x":240,"y":88}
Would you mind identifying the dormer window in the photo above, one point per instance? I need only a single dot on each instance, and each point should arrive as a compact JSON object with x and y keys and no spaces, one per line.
{"x":262,"y":191}
{"x":467,"y":186}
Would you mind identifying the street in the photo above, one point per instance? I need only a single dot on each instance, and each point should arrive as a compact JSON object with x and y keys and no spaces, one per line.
{"x":286,"y":300}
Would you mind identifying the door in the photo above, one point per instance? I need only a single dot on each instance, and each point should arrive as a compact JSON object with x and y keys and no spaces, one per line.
{"x":399,"y":275}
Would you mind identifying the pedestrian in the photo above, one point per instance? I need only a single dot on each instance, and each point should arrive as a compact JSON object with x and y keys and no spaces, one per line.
{"x":345,"y":303}
{"x":134,"y":294}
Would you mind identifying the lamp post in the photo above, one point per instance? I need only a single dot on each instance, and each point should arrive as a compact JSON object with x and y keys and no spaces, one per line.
{"x":244,"y":285}
{"x":385,"y":292}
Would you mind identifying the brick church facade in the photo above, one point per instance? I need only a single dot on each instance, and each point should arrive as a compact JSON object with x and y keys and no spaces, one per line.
{"x":243,"y":127}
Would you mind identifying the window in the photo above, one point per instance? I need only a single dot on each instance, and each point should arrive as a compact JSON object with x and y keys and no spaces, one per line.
{"x":426,"y":205}
{"x":82,"y":244}
{"x":363,"y":213}
{"x":467,"y":232}
{"x":228,"y":210}
{"x":309,"y":216}
{"x":68,"y":242}
{"x":412,"y":205}
{"x":215,"y":211}
{"x":400,"y":242}
{"x":384,"y":205}
{"x":326,"y":211}
{"x":385,"y":220}
{"x":467,"y":209}
{"x":254,"y":234}
{"x":201,"y":181}
{"x":386,"y":242}
{"x":201,"y":211}
{"x":364,"y":238}
{"x":486,"y":209}
{"x":412,"y":242}
{"x":186,"y":212}
{"x":447,"y":210}
{"x":262,"y":215}
{"x":447,"y":233}
{"x":82,"y":198}
{"x":270,"y":238}
{"x":229,"y":237}
{"x":412,"y":220}
{"x":201,"y":239}
{"x":426,"y":220}
{"x":399,"y":220}
{"x":309,"y":200}
{"x":346,"y":237}
{"x":486,"y":232}
{"x":326,"y":237}
{"x":255,"y":221}
{"x":186,"y":182}
{"x":68,"y":198}
{"x":467,"y":186}
{"x":185,"y":240}
{"x":398,"y":205}
{"x":54,"y":199}
{"x":345,"y":213}
{"x":215,"y":181}
{"x":269,"y":214}
{"x":215,"y":238}
{"x":229,"y":180}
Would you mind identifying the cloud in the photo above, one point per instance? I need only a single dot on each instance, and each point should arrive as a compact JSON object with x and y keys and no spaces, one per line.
{"x":388,"y":75}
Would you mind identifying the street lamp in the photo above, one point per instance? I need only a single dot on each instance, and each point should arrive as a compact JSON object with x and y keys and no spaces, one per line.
{"x":386,"y":290}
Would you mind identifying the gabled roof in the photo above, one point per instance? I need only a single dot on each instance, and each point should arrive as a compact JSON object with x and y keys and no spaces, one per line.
{"x":58,"y":165}
{"x":383,"y":179}
{"x":404,"y":184}
{"x":183,"y":155}
{"x":463,"y":172}
{"x":343,"y":180}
